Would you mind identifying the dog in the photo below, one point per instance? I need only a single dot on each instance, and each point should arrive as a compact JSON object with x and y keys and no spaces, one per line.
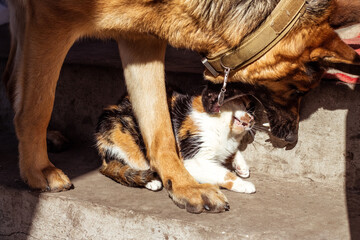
{"x":350,"y":13}
{"x":43,"y":32}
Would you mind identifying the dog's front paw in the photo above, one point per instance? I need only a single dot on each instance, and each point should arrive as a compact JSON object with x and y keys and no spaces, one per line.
{"x":56,"y":179}
{"x":50,"y":179}
{"x":198,"y":198}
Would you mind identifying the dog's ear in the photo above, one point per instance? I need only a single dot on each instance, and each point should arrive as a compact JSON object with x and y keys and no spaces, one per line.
{"x":334,"y":53}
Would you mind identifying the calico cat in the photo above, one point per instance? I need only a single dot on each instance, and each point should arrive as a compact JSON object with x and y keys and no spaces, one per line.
{"x":207,"y":143}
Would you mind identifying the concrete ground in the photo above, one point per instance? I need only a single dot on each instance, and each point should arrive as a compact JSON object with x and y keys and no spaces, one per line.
{"x":308,"y":191}
{"x":99,"y":208}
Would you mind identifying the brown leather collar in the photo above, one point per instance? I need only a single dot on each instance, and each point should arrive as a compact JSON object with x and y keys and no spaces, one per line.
{"x":254,"y":46}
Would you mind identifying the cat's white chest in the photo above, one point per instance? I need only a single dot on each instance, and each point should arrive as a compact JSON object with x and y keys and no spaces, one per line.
{"x":217,"y":141}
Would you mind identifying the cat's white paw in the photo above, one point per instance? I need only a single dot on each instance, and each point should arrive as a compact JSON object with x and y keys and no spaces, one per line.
{"x":154,"y":185}
{"x":243,"y":186}
{"x":244,"y":173}
{"x":241,"y":167}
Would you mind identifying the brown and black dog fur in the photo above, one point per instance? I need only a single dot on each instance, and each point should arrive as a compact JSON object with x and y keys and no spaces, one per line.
{"x":348,"y":13}
{"x":44,"y":30}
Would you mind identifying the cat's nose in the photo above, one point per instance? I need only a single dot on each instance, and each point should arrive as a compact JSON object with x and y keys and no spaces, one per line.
{"x":247,"y":120}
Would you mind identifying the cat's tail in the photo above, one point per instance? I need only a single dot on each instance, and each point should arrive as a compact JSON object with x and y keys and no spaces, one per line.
{"x":128,"y":176}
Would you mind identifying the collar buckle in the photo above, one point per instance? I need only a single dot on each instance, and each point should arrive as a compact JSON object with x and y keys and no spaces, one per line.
{"x":209,"y":67}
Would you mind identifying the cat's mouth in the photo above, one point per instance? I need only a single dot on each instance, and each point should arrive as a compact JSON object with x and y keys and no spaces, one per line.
{"x":243,"y":124}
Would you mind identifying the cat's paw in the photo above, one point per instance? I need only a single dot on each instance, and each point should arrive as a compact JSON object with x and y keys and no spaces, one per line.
{"x":240,"y":166}
{"x":244,"y":173}
{"x":154,"y":185}
{"x":243,"y":186}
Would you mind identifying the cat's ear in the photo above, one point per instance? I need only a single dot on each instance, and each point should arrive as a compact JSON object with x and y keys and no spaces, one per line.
{"x":336,"y":54}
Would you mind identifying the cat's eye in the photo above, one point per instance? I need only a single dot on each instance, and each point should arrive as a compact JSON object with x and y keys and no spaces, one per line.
{"x":250,"y":107}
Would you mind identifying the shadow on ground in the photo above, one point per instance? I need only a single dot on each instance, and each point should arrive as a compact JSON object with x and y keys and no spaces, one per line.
{"x":346,"y":97}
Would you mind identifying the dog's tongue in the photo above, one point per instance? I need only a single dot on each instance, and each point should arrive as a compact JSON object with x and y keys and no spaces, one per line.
{"x":345,"y":77}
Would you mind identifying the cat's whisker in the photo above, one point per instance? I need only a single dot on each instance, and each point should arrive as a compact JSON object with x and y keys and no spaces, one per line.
{"x":261,"y":128}
{"x":252,"y":133}
{"x":234,"y":97}
{"x":251,"y":111}
{"x":257,"y":99}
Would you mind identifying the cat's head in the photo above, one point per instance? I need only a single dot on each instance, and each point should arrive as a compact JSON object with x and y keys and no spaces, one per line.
{"x":281,"y":77}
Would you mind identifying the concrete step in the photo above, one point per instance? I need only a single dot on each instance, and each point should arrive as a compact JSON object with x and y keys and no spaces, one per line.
{"x":99,"y":208}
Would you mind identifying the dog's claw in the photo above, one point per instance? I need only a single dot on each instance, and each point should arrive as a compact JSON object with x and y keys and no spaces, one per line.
{"x":207,"y":208}
{"x":200,"y":198}
{"x":49,"y":179}
{"x":227,"y":207}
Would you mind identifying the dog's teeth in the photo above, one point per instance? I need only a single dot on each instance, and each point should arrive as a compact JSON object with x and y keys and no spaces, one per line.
{"x":266,"y":124}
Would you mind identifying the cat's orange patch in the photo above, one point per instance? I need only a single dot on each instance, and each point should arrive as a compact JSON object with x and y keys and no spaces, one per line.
{"x":230,"y":176}
{"x":111,"y":108}
{"x":198,"y":105}
{"x":128,"y":145}
{"x":227,"y":185}
{"x":187,"y":127}
{"x":115,"y":170}
{"x":229,"y":179}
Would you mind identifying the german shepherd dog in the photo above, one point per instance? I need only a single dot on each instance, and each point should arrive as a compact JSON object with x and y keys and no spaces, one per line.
{"x":43,"y":32}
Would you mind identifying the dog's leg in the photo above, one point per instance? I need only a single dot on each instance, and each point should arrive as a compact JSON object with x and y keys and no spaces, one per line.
{"x":38,"y":64}
{"x":8,"y":72}
{"x":17,"y":29}
{"x":143,"y":62}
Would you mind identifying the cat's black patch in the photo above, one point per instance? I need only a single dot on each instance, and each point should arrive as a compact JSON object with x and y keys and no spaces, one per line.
{"x":190,"y":143}
{"x":109,"y":156}
{"x":104,"y":125}
{"x":181,"y":108}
